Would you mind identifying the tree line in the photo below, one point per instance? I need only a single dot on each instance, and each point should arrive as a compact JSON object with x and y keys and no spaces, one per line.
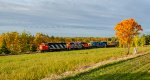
{"x":25,"y":42}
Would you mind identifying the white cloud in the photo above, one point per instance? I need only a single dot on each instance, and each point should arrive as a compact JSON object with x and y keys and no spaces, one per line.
{"x":74,"y":15}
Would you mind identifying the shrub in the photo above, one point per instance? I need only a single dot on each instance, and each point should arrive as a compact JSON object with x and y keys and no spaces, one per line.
{"x":4,"y":48}
{"x":33,"y":48}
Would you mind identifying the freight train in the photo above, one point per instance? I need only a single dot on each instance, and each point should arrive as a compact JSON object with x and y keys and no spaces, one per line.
{"x":46,"y":47}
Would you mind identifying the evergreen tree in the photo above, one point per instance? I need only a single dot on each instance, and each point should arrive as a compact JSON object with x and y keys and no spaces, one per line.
{"x":4,"y":48}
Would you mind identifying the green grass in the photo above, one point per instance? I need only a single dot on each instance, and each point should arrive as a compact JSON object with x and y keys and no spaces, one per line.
{"x":38,"y":66}
{"x":133,"y":69}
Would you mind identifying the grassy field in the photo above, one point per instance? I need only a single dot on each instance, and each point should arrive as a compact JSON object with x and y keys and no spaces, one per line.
{"x":38,"y":66}
{"x":133,"y":69}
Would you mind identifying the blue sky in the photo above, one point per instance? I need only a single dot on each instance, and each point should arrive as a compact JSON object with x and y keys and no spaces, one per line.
{"x":74,"y":18}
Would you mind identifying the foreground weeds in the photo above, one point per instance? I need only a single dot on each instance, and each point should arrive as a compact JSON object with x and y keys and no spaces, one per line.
{"x":132,"y":69}
{"x":38,"y":66}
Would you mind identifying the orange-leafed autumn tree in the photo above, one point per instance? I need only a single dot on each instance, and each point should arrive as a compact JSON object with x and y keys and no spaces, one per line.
{"x":126,"y":30}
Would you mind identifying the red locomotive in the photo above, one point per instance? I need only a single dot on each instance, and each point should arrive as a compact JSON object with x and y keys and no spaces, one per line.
{"x":43,"y":47}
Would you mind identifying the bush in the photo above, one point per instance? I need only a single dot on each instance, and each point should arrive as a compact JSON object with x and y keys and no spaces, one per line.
{"x":4,"y":48}
{"x":0,"y":51}
{"x":33,"y":48}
